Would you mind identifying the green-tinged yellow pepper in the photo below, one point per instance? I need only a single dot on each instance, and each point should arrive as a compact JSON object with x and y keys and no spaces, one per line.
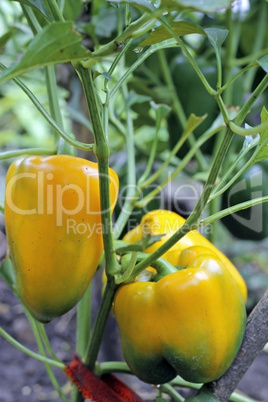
{"x":54,"y":230}
{"x":190,"y":322}
{"x":166,"y":222}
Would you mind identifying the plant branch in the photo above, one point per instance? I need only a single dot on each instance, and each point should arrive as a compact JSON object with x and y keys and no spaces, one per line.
{"x":256,"y":336}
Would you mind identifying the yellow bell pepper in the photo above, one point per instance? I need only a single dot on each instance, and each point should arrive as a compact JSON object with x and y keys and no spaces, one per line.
{"x":190,"y":322}
{"x":166,"y":222}
{"x":54,"y":230}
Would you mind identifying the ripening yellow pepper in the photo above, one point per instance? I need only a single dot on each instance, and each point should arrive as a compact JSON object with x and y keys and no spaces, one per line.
{"x":54,"y":229}
{"x":164,"y":222}
{"x":189,"y":323}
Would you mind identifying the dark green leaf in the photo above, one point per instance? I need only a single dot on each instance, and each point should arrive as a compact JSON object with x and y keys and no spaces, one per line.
{"x":37,"y":5}
{"x":5,"y":38}
{"x":56,"y":43}
{"x":143,"y":5}
{"x":72,"y":9}
{"x":263,"y":62}
{"x":180,"y":27}
{"x":208,"y":6}
{"x":263,"y":153}
{"x":216,"y":36}
{"x":203,"y":396}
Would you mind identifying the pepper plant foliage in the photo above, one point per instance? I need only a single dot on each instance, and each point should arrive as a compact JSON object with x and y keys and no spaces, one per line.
{"x":173,"y":92}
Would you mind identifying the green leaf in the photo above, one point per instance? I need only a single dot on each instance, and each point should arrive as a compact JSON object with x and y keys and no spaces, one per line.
{"x":7,"y":272}
{"x":143,"y":5}
{"x":134,"y":98}
{"x":192,"y":123}
{"x":180,"y":27}
{"x":5,"y":38}
{"x":56,"y":43}
{"x":203,"y":396}
{"x":208,"y":6}
{"x":72,"y":9}
{"x":37,"y":5}
{"x":216,"y":36}
{"x":263,"y":154}
{"x":263,"y":62}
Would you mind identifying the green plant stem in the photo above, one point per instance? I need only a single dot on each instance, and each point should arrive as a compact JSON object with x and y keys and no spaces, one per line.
{"x":129,"y":32}
{"x":152,"y":49}
{"x":130,"y":195}
{"x":54,"y":10}
{"x":112,"y":367}
{"x":101,"y":149}
{"x":168,"y":389}
{"x":179,"y":168}
{"x":30,"y":353}
{"x":231,"y":49}
{"x":192,"y":222}
{"x":260,"y":37}
{"x":45,"y":340}
{"x":248,"y":131}
{"x":35,"y":327}
{"x":27,"y":151}
{"x":96,"y":335}
{"x":235,"y":397}
{"x":48,"y":118}
{"x":231,"y":210}
{"x":191,"y":59}
{"x":102,"y":154}
{"x":83,"y":327}
{"x":222,"y":188}
{"x":240,"y":117}
{"x":250,"y":58}
{"x":31,"y":18}
{"x":53,"y":99}
{"x":177,"y":106}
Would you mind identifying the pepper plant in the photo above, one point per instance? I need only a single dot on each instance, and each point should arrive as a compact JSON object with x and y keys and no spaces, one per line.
{"x":175,"y":90}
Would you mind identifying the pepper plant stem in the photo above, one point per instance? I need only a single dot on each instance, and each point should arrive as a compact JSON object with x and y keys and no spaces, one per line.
{"x":95,"y":339}
{"x":102,"y":152}
{"x":192,"y":221}
{"x":29,"y":352}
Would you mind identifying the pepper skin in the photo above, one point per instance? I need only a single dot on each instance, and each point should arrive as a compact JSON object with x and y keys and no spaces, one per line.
{"x":54,"y":231}
{"x":167,"y":223}
{"x":189,"y":323}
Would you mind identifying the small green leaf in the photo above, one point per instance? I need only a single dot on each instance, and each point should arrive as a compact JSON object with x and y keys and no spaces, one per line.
{"x":216,"y":36}
{"x":263,"y":153}
{"x":161,"y":110}
{"x":56,"y":43}
{"x":133,"y":98}
{"x":208,"y":6}
{"x":37,"y":5}
{"x":192,"y":123}
{"x":263,"y":62}
{"x":180,"y":27}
